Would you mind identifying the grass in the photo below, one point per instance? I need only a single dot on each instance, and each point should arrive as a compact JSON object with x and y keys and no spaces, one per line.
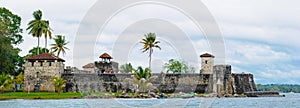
{"x":39,"y":95}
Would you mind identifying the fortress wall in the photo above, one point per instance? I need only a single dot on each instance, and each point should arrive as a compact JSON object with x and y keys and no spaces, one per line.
{"x":231,"y":83}
{"x":242,"y":83}
{"x":114,"y":82}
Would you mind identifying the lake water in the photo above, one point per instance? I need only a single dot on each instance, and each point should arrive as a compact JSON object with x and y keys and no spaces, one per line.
{"x":292,"y":100}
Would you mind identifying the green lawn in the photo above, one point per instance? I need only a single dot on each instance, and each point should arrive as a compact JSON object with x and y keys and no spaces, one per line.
{"x":39,"y":95}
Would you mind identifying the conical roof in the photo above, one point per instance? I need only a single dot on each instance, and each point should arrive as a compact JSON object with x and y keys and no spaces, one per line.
{"x":207,"y":55}
{"x":105,"y":55}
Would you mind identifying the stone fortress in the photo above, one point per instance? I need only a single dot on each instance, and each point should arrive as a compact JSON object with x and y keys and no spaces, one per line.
{"x":216,"y":79}
{"x":40,"y":69}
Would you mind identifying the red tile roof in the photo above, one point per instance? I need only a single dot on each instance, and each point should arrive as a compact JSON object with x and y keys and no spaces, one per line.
{"x":45,"y":56}
{"x":90,"y":65}
{"x":105,"y":55}
{"x":207,"y":55}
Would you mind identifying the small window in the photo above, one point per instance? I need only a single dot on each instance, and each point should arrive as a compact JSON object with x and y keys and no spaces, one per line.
{"x":41,"y":63}
{"x":37,"y":75}
{"x":205,"y":61}
{"x":32,"y":63}
{"x":49,"y":63}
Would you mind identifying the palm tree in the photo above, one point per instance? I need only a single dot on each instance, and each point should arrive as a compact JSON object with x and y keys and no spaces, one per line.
{"x":38,"y":27}
{"x":142,"y":85}
{"x":59,"y":84}
{"x":149,"y":43}
{"x":19,"y":79}
{"x":5,"y":81}
{"x":60,"y":44}
{"x":126,"y":68}
{"x":142,"y":73}
{"x":141,"y":80}
{"x":47,"y":33}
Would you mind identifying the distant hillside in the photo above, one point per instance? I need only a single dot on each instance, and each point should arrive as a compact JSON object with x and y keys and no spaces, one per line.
{"x":285,"y":88}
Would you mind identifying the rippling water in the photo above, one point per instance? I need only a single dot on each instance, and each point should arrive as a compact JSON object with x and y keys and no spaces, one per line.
{"x":292,"y":100}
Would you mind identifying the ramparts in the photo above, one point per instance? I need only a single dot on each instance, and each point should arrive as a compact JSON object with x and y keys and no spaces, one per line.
{"x":168,"y":83}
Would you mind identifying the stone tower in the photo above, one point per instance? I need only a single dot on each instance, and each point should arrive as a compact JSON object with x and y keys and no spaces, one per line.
{"x":40,"y":69}
{"x":207,"y":63}
{"x":106,"y":65}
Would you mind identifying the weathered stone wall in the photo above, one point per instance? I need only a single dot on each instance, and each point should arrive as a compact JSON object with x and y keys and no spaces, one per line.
{"x":207,"y":64}
{"x":38,"y":75}
{"x":201,"y":83}
{"x":114,"y":82}
{"x":222,"y":79}
{"x":242,"y":83}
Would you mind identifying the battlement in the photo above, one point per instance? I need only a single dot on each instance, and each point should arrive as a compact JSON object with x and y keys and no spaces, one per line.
{"x":44,"y":63}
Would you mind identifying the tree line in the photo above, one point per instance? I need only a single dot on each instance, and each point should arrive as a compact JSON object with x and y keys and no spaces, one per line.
{"x":284,"y":88}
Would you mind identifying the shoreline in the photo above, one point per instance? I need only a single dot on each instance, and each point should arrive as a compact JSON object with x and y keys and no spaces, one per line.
{"x":107,"y":95}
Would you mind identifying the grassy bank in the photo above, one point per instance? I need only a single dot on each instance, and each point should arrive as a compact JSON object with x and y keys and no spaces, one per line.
{"x":39,"y":95}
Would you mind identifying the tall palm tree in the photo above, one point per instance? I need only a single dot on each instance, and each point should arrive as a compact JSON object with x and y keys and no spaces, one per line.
{"x":149,"y":43}
{"x":60,"y":45}
{"x":47,"y":33}
{"x":38,"y":27}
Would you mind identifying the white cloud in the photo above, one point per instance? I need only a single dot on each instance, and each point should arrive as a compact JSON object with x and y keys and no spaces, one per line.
{"x":250,"y":28}
{"x":247,"y":53}
{"x":291,"y":76}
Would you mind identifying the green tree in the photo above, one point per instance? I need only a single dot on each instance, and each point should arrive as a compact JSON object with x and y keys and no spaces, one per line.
{"x":142,"y":73}
{"x":60,"y":45}
{"x":176,"y":66}
{"x":10,"y":26}
{"x":150,"y":42}
{"x":59,"y":84}
{"x":126,"y":68}
{"x":34,"y":51}
{"x":38,"y":27}
{"x":5,"y":82}
{"x":11,"y":62}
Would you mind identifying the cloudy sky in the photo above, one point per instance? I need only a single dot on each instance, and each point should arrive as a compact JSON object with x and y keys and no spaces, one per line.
{"x":259,"y":36}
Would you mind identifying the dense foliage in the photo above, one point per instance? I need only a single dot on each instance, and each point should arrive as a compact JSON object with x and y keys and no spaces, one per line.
{"x":5,"y":82}
{"x":126,"y":68}
{"x":285,"y":88}
{"x":142,"y":73}
{"x":59,"y":84}
{"x":11,"y":62}
{"x":34,"y":51}
{"x":10,"y":26}
{"x":176,"y":66}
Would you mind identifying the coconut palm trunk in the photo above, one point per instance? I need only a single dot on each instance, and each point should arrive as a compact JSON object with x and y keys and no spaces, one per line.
{"x":150,"y":57}
{"x":45,"y":43}
{"x":38,"y":47}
